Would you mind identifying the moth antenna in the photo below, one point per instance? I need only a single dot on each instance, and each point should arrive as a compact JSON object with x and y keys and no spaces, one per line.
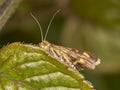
{"x":39,"y":25}
{"x":50,"y":23}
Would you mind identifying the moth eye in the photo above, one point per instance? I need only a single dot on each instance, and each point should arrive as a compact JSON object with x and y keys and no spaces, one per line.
{"x":86,"y":54}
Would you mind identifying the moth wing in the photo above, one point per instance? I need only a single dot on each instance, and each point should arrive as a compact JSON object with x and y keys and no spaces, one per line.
{"x":81,"y":59}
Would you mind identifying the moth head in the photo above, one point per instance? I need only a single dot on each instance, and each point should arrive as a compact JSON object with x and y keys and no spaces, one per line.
{"x":44,"y":45}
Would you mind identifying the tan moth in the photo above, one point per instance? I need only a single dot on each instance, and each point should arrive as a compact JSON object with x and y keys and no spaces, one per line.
{"x":74,"y":59}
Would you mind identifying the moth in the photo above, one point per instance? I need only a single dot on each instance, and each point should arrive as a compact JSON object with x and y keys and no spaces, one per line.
{"x":74,"y":59}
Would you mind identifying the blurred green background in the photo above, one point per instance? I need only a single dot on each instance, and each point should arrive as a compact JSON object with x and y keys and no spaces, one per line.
{"x":92,"y":25}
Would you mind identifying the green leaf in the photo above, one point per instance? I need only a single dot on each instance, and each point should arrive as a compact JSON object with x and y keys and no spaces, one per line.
{"x":27,"y":67}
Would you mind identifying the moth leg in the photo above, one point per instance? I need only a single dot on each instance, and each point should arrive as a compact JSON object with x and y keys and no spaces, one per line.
{"x":73,"y":68}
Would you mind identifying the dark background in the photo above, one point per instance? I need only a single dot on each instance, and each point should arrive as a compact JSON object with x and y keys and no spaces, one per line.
{"x":92,"y":25}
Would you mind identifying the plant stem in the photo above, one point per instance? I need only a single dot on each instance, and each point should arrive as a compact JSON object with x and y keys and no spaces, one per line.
{"x":6,"y":10}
